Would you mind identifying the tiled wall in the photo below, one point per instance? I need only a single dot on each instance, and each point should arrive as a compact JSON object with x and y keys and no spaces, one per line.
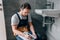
{"x":56,"y":3}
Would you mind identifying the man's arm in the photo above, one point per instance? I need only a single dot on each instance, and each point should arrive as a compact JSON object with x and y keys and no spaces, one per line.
{"x":32,"y":28}
{"x":14,"y":29}
{"x":17,"y":32}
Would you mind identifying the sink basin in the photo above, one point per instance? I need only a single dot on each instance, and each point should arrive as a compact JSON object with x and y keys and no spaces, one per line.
{"x":48,"y":12}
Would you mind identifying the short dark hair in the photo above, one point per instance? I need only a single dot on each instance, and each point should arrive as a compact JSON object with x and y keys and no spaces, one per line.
{"x":25,"y":5}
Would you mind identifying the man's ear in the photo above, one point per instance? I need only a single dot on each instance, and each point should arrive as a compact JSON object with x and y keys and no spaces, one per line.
{"x":21,"y":9}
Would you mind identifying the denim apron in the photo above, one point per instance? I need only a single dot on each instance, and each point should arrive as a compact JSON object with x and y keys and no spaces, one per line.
{"x":22,"y":22}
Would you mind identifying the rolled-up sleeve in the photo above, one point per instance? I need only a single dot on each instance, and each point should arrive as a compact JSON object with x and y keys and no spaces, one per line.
{"x":29,"y":18}
{"x":14,"y":20}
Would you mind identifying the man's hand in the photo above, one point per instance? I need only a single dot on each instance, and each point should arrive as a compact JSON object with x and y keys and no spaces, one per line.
{"x":28,"y":37}
{"x":35,"y":36}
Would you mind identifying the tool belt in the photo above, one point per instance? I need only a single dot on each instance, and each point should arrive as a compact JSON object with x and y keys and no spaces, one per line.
{"x":22,"y":29}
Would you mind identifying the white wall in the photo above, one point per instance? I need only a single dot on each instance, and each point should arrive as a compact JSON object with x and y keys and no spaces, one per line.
{"x":56,"y":3}
{"x":2,"y":24}
{"x":54,"y":34}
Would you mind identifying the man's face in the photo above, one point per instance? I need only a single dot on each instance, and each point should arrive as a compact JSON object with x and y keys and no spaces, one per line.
{"x":25,"y":11}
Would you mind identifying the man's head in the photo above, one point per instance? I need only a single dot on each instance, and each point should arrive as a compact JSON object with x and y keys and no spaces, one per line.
{"x":25,"y":9}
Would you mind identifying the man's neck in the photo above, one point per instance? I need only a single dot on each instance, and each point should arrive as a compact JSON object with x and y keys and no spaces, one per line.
{"x":20,"y":13}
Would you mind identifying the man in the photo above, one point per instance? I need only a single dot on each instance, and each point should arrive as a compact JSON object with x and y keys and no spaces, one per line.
{"x":22,"y":24}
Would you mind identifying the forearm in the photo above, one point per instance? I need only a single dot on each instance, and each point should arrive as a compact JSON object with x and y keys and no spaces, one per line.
{"x":17,"y":32}
{"x":32,"y":29}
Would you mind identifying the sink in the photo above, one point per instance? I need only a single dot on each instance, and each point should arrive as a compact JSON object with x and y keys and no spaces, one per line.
{"x":48,"y":12}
